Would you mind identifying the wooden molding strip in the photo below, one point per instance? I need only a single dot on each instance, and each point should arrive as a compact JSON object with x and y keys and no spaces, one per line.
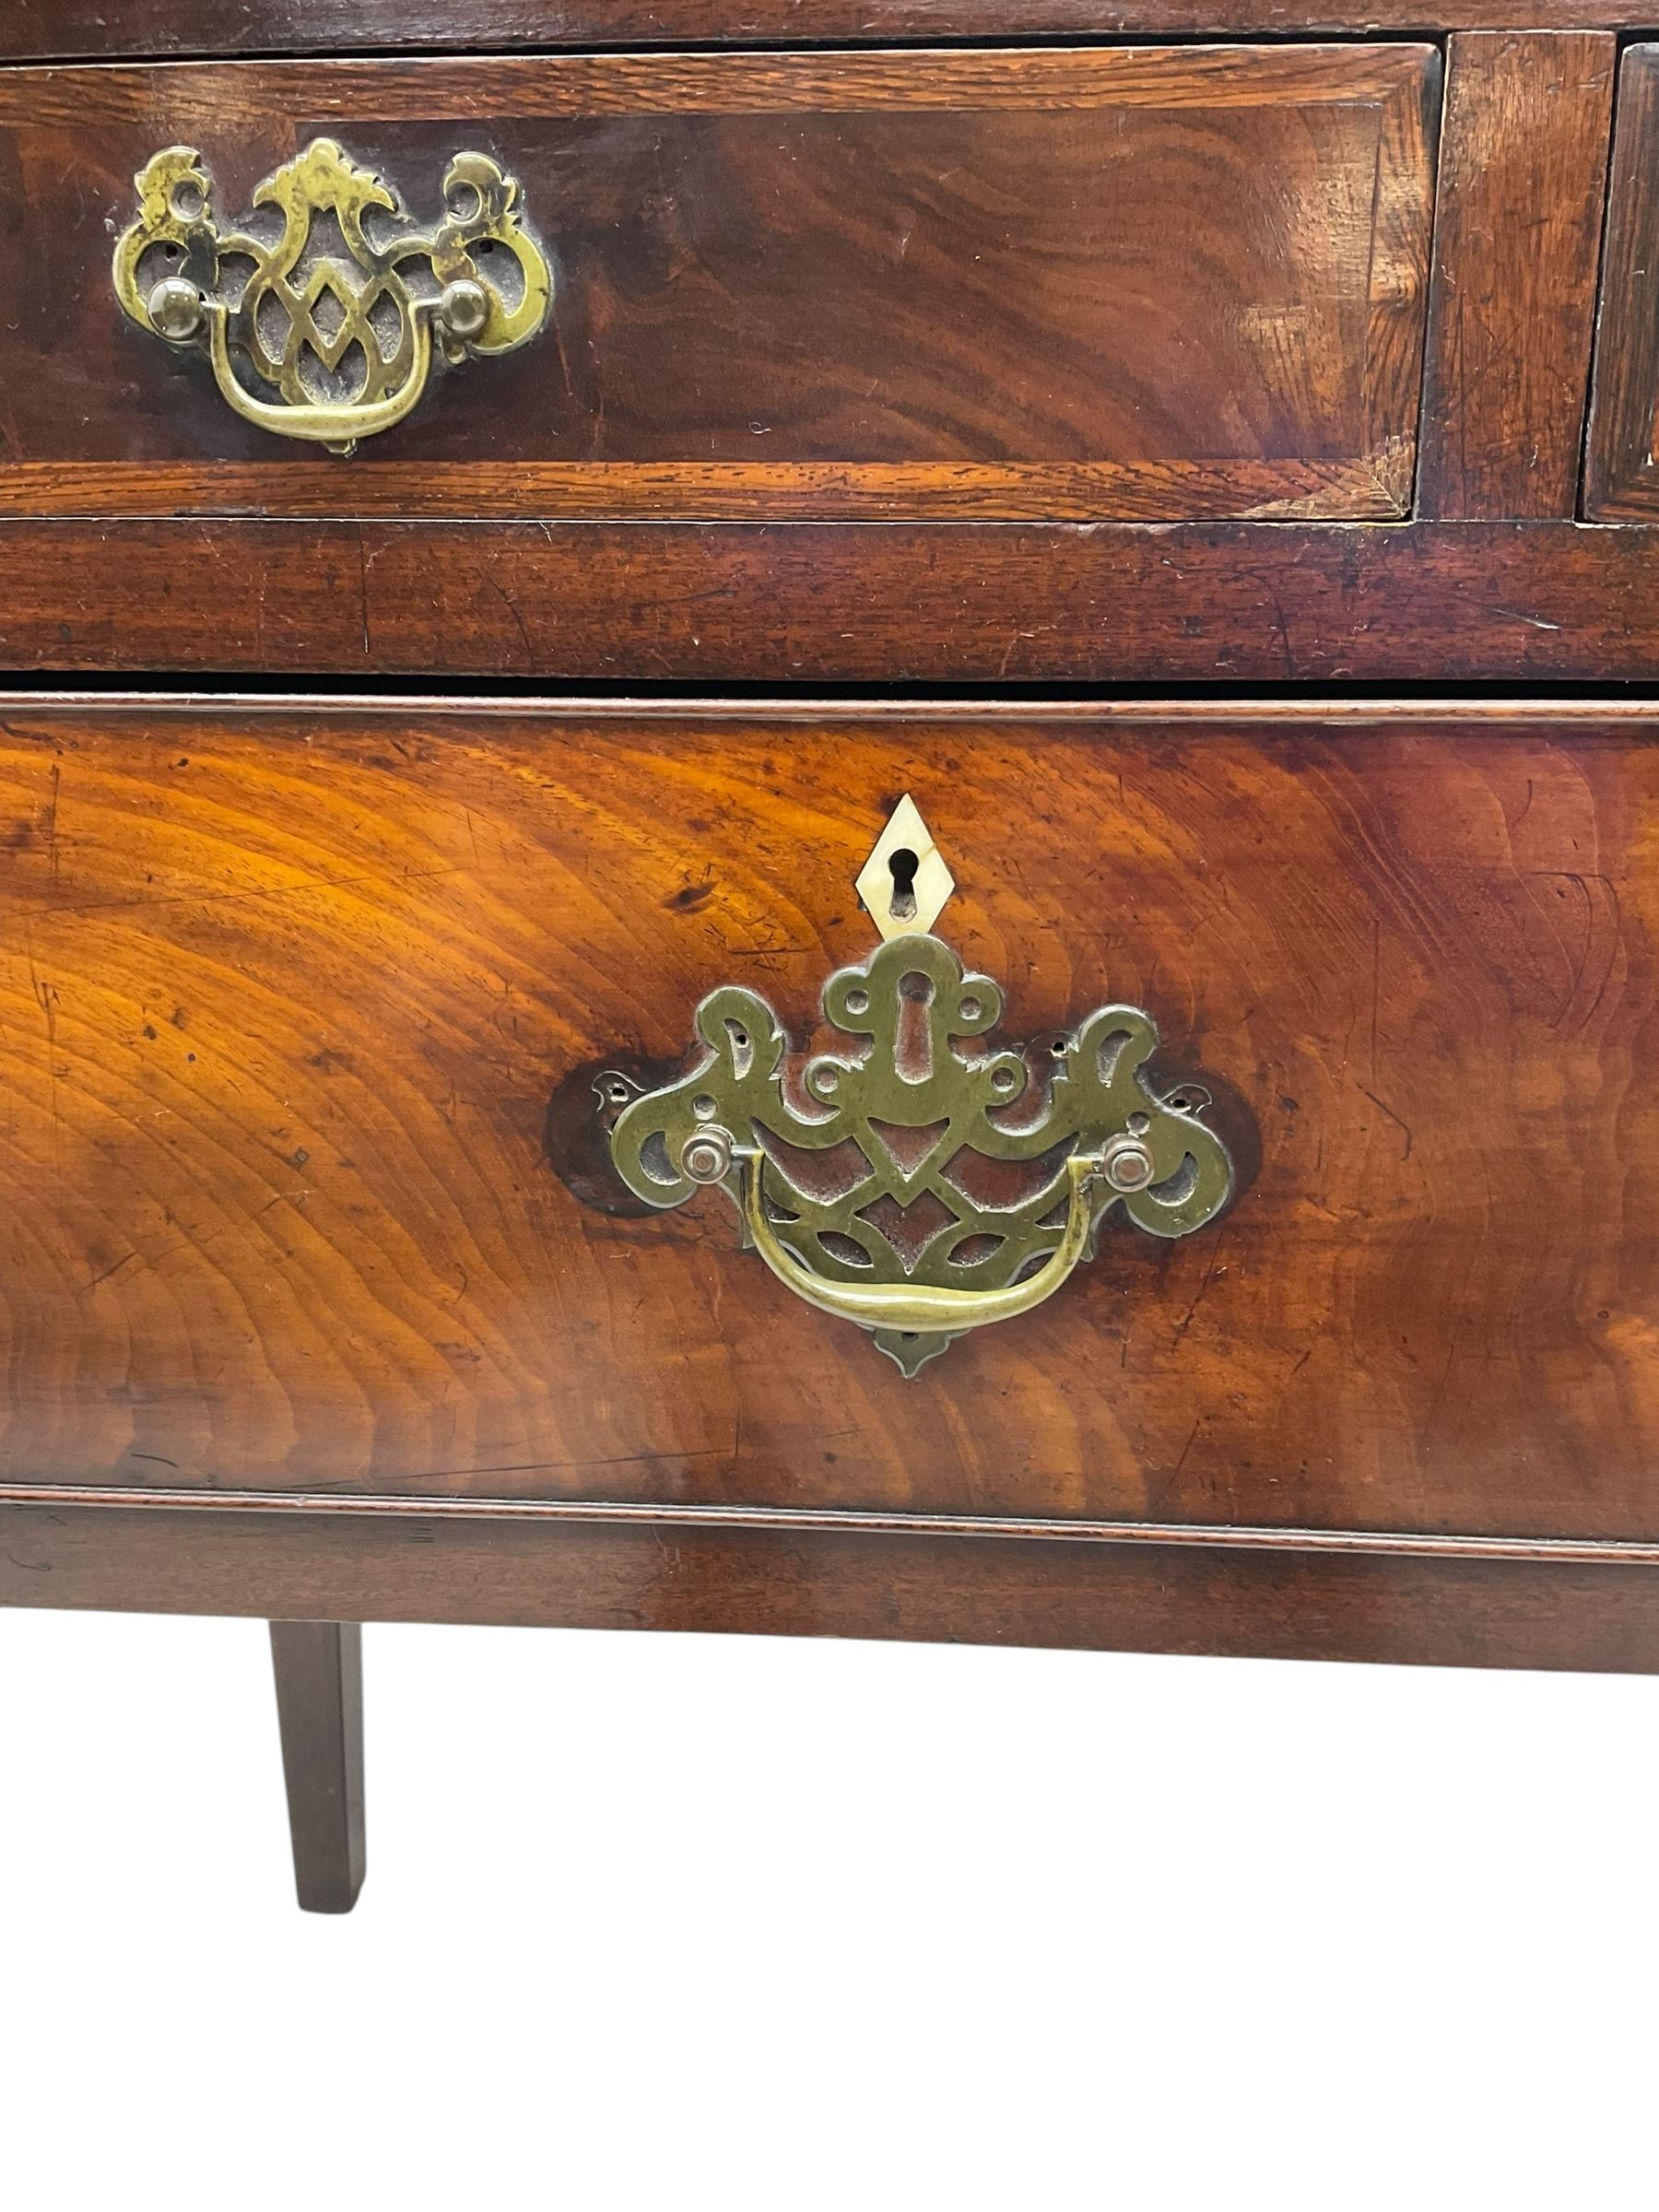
{"x":853,"y":80}
{"x":852,"y":1521}
{"x":1240,"y":487}
{"x":40,"y":30}
{"x":1284,"y":708}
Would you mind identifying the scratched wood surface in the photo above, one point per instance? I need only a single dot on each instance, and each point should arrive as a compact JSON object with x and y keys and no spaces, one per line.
{"x":1137,"y":282}
{"x":1522,"y":186}
{"x":860,"y":602}
{"x":284,"y":995}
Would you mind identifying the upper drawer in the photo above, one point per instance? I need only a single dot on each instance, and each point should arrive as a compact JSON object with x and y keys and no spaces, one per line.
{"x":1119,"y":283}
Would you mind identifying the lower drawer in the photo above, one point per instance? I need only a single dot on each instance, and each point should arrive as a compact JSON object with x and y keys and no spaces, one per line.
{"x":320,"y":1022}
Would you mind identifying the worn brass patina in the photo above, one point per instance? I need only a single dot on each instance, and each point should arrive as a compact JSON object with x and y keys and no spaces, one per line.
{"x":321,"y":319}
{"x":923,"y":1181}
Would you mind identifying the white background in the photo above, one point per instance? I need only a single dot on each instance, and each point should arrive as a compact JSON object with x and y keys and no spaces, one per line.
{"x":658,"y":1922}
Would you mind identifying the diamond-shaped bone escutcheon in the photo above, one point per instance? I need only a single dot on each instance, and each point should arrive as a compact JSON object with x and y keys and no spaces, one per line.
{"x":904,"y":884}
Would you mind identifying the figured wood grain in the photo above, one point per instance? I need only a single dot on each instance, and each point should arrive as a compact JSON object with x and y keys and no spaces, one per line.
{"x":878,"y":604}
{"x":1105,"y":1597}
{"x":45,"y":29}
{"x":1622,"y":478}
{"x":1522,"y":178}
{"x":1135,"y":282}
{"x":285,"y":995}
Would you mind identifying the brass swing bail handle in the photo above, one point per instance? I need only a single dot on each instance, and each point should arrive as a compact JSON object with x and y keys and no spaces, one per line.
{"x":921,"y":1309}
{"x":1129,"y":1146}
{"x":310,"y":345}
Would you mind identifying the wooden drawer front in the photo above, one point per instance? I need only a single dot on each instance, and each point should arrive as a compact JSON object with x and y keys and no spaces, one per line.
{"x":1622,"y":475}
{"x":285,"y":995}
{"x":1122,"y":283}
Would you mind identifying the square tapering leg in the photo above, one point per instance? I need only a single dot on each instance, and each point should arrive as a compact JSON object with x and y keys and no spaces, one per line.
{"x":319,"y":1667}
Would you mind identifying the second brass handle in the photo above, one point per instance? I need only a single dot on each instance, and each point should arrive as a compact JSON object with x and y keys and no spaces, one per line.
{"x":921,"y":1178}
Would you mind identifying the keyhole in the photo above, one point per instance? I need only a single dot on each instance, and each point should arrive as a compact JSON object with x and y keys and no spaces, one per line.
{"x":904,"y":863}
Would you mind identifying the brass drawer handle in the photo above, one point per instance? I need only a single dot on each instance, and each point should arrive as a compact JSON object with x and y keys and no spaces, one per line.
{"x":916,"y":1189}
{"x":912,"y":1310}
{"x":311,"y":344}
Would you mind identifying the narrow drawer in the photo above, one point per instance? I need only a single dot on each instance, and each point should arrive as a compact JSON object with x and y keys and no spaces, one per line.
{"x":1622,"y":474}
{"x":317,"y":1020}
{"x":1131,"y":283}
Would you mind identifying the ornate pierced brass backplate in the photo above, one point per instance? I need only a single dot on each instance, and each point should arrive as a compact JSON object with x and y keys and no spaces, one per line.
{"x":921,"y":1180}
{"x":322,"y":312}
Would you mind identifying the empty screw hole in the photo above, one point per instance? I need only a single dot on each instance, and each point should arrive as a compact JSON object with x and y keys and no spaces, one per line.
{"x":903,"y":865}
